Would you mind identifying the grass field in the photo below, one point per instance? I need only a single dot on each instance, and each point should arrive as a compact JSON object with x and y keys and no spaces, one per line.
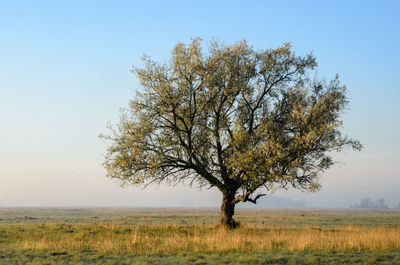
{"x":190,"y":236}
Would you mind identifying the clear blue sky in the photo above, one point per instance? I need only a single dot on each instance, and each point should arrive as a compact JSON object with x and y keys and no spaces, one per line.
{"x":64,"y":73}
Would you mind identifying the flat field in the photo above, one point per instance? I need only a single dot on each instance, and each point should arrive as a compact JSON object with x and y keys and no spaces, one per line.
{"x":191,"y":236}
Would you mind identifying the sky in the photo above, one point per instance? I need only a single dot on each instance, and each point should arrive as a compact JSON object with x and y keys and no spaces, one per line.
{"x":65,"y":73}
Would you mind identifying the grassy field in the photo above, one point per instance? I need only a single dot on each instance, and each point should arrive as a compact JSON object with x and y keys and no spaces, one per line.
{"x":190,"y":236}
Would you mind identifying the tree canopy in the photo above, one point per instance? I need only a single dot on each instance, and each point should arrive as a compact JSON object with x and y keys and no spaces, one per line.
{"x":242,"y":120}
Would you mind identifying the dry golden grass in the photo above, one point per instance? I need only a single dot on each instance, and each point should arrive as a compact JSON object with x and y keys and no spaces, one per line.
{"x":164,"y":238}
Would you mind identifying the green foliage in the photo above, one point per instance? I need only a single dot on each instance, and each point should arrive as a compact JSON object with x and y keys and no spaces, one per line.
{"x":230,"y":117}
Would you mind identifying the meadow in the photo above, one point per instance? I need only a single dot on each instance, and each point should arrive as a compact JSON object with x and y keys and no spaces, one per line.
{"x":191,"y":236}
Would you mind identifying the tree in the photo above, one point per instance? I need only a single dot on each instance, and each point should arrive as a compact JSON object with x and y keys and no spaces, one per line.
{"x":367,"y":203}
{"x":240,"y":120}
{"x":380,"y":204}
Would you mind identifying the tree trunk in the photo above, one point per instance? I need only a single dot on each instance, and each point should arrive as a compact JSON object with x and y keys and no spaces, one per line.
{"x":228,"y":210}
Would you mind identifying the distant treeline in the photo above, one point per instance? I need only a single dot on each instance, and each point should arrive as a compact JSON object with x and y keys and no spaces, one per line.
{"x":367,"y":203}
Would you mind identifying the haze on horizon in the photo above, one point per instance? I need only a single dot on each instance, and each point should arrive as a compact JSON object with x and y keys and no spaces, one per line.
{"x":64,"y":74}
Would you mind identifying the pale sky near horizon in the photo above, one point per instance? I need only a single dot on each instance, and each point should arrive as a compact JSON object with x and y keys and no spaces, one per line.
{"x":64,"y":73}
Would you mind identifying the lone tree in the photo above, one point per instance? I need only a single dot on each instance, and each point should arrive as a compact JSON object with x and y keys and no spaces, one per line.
{"x":231,"y":117}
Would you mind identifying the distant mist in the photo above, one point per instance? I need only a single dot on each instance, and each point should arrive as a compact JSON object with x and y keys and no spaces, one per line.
{"x":367,"y":203}
{"x":275,"y":202}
